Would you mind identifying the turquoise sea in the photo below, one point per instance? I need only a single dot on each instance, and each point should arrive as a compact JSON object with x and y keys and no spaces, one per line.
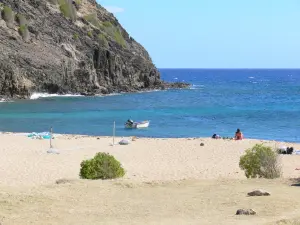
{"x":264,"y":104}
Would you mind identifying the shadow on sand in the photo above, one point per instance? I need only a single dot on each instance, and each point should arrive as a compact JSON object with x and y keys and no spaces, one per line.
{"x":295,"y":182}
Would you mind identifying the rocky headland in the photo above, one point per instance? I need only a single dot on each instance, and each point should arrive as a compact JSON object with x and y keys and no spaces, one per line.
{"x":68,"y":47}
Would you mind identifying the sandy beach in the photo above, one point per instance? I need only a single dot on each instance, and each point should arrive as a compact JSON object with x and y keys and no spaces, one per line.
{"x":167,"y":181}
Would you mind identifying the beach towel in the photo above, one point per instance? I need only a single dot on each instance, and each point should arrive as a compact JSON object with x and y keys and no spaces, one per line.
{"x":42,"y":135}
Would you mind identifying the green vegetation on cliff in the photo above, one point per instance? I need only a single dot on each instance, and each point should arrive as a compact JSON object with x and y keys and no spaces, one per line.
{"x":67,"y":9}
{"x":8,"y":16}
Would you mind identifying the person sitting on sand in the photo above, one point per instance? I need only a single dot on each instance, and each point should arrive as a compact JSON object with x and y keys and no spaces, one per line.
{"x":238,"y":135}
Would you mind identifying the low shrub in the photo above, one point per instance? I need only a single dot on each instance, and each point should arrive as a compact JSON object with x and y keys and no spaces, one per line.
{"x":8,"y":16}
{"x":114,"y":32}
{"x":75,"y":36}
{"x":67,"y":9}
{"x":119,"y":38}
{"x":92,"y":18}
{"x":260,"y":161}
{"x":102,"y":166}
{"x":107,"y":24}
{"x":21,"y":20}
{"x":54,"y":2}
{"x":23,"y":30}
{"x":78,"y":2}
{"x":90,"y":33}
{"x":103,"y":41}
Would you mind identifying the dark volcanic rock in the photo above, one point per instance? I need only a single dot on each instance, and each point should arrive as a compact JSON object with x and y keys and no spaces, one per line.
{"x":258,"y":193}
{"x":66,"y":56}
{"x":245,"y":212}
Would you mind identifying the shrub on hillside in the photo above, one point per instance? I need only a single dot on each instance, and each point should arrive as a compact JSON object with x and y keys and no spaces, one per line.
{"x":75,"y":36}
{"x":21,"y":20}
{"x":8,"y":16}
{"x":67,"y":9}
{"x":260,"y":161}
{"x":119,"y":38}
{"x":54,"y":2}
{"x":102,"y":166}
{"x":103,"y":41}
{"x":107,"y":24}
{"x":23,"y":30}
{"x":90,"y":33}
{"x":114,"y":32}
{"x":92,"y":19}
{"x":78,"y":2}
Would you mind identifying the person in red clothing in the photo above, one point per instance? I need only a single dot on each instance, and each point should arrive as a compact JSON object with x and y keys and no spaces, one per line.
{"x":238,"y":135}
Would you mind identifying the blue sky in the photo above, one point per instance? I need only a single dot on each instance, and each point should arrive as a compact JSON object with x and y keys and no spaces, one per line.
{"x":214,"y":33}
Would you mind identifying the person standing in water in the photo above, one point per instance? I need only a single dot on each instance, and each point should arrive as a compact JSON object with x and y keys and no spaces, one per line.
{"x":238,"y":135}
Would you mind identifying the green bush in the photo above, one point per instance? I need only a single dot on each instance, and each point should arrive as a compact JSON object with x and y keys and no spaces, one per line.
{"x":119,"y":38}
{"x":21,"y":19}
{"x":260,"y":161}
{"x":92,"y":18}
{"x":67,"y":9}
{"x":114,"y":32}
{"x":102,"y":166}
{"x":54,"y":2}
{"x":107,"y":24}
{"x":90,"y":33}
{"x":103,"y":41}
{"x":23,"y":30}
{"x":75,"y":36}
{"x":78,"y":2}
{"x":8,"y":16}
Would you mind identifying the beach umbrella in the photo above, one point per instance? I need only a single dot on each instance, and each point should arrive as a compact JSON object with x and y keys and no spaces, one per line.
{"x":51,"y":149}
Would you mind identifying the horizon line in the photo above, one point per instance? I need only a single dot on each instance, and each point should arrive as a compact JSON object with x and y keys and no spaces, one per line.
{"x":193,"y":68}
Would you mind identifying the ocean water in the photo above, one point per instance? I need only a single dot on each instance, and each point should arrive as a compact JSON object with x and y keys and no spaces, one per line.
{"x":264,"y":104}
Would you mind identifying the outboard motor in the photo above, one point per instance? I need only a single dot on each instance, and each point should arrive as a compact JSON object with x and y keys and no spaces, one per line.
{"x":289,"y":150}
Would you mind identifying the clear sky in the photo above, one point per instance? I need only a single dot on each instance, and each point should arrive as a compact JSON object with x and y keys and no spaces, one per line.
{"x":214,"y":33}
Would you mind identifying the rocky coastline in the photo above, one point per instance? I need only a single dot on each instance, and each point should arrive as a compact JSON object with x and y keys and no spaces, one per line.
{"x":70,"y":47}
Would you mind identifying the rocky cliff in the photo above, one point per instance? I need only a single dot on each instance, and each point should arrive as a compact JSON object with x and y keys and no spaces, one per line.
{"x":69,"y":46}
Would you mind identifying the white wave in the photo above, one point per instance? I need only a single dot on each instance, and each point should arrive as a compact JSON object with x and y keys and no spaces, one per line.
{"x":196,"y":86}
{"x":149,"y":91}
{"x":251,"y":77}
{"x":46,"y":95}
{"x":5,"y":100}
{"x":113,"y":94}
{"x":175,"y":78}
{"x":107,"y":95}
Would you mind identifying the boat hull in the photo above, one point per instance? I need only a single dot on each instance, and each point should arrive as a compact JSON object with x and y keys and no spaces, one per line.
{"x":138,"y":125}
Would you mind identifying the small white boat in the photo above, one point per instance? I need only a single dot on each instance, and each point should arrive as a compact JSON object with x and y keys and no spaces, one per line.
{"x":137,"y":125}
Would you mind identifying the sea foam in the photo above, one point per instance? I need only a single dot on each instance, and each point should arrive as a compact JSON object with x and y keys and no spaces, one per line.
{"x":5,"y":100}
{"x":46,"y":95}
{"x":196,"y":86}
